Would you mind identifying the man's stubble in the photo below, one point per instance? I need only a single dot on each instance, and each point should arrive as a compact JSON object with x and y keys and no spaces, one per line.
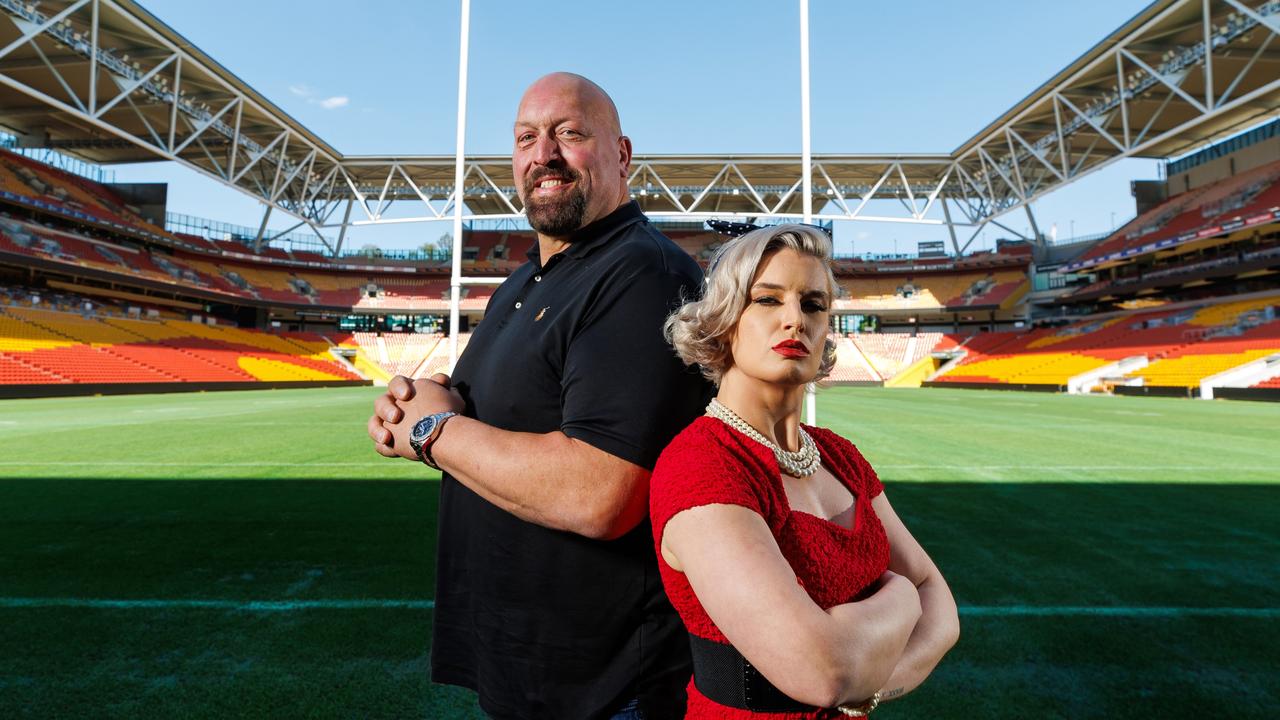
{"x":558,"y":217}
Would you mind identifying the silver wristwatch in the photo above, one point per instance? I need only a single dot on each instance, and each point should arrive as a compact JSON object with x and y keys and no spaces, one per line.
{"x":424,"y":435}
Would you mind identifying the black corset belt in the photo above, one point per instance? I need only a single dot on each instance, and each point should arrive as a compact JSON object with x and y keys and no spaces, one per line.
{"x":723,"y":675}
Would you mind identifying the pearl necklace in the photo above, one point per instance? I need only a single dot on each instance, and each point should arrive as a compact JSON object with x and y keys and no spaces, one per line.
{"x":801,"y":463}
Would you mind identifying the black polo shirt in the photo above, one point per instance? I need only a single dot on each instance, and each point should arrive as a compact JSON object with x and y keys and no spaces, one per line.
{"x":544,"y":623}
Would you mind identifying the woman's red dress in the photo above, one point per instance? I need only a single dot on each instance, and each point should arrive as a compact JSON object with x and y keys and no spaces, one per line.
{"x":711,"y":463}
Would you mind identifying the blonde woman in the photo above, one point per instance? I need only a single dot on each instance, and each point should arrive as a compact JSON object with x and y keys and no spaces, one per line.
{"x":803,"y":593}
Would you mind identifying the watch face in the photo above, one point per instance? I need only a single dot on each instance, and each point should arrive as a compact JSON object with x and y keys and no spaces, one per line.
{"x":422,"y":430}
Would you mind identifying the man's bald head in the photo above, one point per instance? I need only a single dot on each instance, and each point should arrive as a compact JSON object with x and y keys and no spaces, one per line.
{"x":571,"y":160}
{"x":591,"y":96}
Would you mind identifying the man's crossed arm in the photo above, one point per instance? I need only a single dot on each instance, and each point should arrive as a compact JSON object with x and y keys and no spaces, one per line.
{"x":549,"y":479}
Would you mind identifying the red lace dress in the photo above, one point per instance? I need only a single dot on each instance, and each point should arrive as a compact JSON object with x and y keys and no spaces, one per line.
{"x":711,"y":463}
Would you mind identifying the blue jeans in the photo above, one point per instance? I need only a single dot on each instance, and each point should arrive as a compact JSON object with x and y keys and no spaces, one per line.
{"x":630,"y":711}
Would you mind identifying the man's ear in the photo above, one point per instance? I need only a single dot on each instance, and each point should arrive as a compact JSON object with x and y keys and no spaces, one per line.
{"x":624,"y":155}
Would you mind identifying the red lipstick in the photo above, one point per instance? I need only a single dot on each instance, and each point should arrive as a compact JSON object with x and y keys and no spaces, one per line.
{"x":792,"y":349}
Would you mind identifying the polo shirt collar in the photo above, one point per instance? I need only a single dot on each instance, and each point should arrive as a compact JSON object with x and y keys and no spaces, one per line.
{"x":588,"y":237}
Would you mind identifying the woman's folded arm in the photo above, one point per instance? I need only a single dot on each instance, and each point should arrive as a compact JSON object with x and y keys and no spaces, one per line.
{"x":749,"y":590}
{"x":939,"y":626}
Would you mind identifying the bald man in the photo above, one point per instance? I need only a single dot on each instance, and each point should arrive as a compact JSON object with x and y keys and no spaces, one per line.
{"x":548,"y":599}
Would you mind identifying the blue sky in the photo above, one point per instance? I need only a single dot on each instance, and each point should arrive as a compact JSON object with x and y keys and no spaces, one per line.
{"x":688,"y":77}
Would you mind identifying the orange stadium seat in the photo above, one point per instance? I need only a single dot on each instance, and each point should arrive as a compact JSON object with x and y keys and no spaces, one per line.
{"x":41,"y":345}
{"x":14,"y":370}
{"x":1182,"y":346}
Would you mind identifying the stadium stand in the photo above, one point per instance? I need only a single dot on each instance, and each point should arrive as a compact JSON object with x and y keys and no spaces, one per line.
{"x":393,"y":291}
{"x":852,"y":367}
{"x":241,"y":279}
{"x":891,"y":353}
{"x":1183,"y":346}
{"x":32,"y":183}
{"x":886,"y":352}
{"x":904,"y":293}
{"x":197,"y":242}
{"x":53,"y":221}
{"x":41,"y":345}
{"x":484,"y":246}
{"x":365,"y":363}
{"x":1236,"y":333}
{"x":1245,"y":200}
{"x":933,"y":291}
{"x":997,"y":289}
{"x":438,"y":359}
{"x":398,"y":353}
{"x":334,"y":289}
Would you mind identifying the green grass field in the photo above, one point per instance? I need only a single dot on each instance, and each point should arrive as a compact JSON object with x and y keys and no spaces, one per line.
{"x":247,"y":555}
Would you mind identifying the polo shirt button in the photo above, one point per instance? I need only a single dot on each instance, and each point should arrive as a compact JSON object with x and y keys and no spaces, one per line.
{"x":518,"y":305}
{"x":537,"y":278}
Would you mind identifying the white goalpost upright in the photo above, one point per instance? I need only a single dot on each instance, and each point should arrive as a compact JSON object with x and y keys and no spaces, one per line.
{"x":455,"y":283}
{"x":806,"y":169}
{"x":459,"y":182}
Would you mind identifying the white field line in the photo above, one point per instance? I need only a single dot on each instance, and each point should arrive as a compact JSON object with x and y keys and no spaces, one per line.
{"x":1138,"y":611}
{"x":1131,"y":611}
{"x":303,"y":424}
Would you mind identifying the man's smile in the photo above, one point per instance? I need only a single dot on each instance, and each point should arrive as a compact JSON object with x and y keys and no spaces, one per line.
{"x":551,"y":185}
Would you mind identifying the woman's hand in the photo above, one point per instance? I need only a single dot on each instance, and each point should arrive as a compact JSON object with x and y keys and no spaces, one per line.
{"x":876,"y":629}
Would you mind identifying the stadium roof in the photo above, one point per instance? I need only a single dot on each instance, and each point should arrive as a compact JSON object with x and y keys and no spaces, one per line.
{"x":107,"y":81}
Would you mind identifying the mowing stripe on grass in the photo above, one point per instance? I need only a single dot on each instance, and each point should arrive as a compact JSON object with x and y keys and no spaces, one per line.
{"x":373,"y":604}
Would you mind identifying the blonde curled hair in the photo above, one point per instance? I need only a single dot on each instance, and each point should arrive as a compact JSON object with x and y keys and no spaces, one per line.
{"x":700,"y":329}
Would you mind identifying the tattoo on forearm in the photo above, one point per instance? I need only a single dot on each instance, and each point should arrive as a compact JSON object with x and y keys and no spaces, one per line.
{"x":892,"y":694}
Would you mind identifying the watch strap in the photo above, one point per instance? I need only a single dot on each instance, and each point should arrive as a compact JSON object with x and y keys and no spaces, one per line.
{"x":425,"y":451}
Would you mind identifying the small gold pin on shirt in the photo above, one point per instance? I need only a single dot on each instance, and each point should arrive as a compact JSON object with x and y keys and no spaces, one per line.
{"x":541,"y":312}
